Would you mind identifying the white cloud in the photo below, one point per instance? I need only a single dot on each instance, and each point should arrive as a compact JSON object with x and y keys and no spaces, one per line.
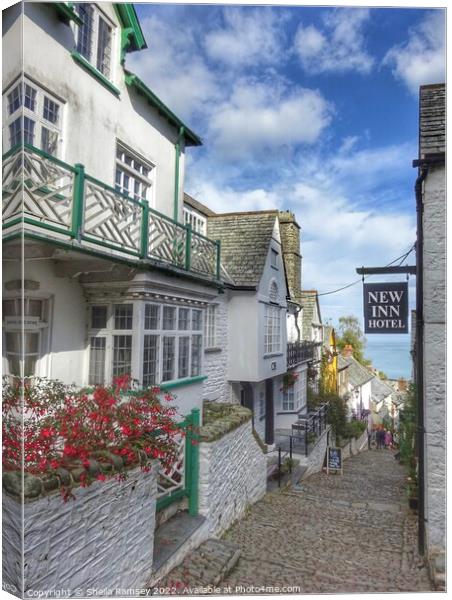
{"x":339,"y":46}
{"x":422,"y":58}
{"x":174,"y":67}
{"x":249,"y":37}
{"x":258,"y":117}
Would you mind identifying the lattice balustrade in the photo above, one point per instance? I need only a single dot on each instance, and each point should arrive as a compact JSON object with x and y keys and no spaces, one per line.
{"x":172,"y":479}
{"x":39,"y":188}
{"x":203,"y":255}
{"x":111,"y":218}
{"x":167,"y":240}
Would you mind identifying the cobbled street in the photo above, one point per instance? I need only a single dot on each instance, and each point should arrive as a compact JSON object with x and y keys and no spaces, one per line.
{"x":349,"y":533}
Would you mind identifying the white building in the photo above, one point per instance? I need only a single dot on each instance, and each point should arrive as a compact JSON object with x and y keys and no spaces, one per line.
{"x":359,"y":384}
{"x":114,"y":281}
{"x":430,"y":342}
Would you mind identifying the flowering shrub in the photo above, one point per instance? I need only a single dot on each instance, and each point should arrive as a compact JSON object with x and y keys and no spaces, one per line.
{"x":47,"y":426}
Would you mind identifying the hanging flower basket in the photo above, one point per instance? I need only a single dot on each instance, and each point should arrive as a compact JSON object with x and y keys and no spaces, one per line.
{"x":289,"y":380}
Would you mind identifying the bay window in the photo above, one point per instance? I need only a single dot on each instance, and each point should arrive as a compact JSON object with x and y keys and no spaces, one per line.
{"x":33,"y":116}
{"x":272,"y":335}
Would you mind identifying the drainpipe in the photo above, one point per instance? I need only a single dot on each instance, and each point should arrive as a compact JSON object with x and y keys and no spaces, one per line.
{"x":423,"y":169}
{"x":176,"y":176}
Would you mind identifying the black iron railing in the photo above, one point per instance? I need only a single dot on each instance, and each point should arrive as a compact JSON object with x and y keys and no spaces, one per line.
{"x":299,"y":352}
{"x":308,"y":430}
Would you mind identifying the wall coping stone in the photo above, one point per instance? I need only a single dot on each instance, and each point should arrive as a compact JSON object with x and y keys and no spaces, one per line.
{"x":220,"y":418}
{"x":36,"y":486}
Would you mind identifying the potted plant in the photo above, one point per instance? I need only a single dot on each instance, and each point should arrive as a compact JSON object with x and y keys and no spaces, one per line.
{"x":289,"y":380}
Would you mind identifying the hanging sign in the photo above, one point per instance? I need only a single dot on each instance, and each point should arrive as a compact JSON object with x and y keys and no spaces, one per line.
{"x":333,"y":459}
{"x":386,"y":307}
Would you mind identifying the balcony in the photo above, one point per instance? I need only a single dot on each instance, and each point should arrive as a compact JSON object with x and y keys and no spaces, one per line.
{"x":52,"y":200}
{"x":299,"y":352}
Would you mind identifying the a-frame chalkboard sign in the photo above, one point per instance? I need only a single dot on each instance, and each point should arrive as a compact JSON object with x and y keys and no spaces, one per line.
{"x":333,"y":460}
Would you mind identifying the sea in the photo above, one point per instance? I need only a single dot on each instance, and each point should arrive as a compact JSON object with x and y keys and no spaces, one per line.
{"x":390,"y":353}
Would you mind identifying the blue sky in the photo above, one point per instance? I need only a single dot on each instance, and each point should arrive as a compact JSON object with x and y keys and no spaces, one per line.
{"x":309,"y":109}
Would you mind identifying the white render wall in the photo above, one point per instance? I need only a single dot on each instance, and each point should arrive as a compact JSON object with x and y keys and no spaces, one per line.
{"x":232,"y":476}
{"x":216,"y":386}
{"x":434,"y":359}
{"x":94,"y":117}
{"x":104,"y":538}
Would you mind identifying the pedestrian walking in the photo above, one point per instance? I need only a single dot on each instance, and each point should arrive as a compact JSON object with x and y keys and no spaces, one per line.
{"x":379,"y":435}
{"x":388,"y":439}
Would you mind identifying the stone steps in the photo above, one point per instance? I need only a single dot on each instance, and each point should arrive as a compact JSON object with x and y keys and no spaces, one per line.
{"x":202,"y":569}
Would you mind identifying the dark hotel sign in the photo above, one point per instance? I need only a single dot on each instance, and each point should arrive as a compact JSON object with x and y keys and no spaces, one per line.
{"x":386,"y":307}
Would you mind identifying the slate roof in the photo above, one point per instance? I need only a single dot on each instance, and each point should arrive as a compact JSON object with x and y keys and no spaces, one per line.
{"x":308,"y":302}
{"x":342,"y":362}
{"x":202,"y":208}
{"x":432,"y":121}
{"x":357,"y":374}
{"x":245,"y":239}
{"x":380,"y":390}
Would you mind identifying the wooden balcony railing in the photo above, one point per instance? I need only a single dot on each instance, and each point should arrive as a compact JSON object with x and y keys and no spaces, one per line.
{"x":299,"y":352}
{"x":41,"y":192}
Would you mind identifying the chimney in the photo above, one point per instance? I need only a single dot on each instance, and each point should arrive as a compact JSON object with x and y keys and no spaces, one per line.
{"x":402,"y":385}
{"x":290,"y":242}
{"x":347,"y":351}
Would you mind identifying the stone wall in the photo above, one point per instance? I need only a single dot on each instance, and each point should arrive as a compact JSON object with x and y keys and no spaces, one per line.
{"x":232,"y":471}
{"x":355,"y":445}
{"x":103,"y":538}
{"x":434,"y":359}
{"x":216,"y":386}
{"x":316,"y":458}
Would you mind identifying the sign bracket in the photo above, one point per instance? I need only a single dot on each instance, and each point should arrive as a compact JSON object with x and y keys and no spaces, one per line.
{"x":409,"y":270}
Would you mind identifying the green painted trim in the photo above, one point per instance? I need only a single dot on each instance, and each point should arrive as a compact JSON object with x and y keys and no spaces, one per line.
{"x":81,"y":60}
{"x":77,"y":203}
{"x":132,"y":37}
{"x":181,"y":382}
{"x":165,"y":217}
{"x":177,"y":173}
{"x":133,"y":81}
{"x":66,"y":12}
{"x":48,"y":156}
{"x":47,"y":226}
{"x":144,"y":231}
{"x":15,"y":221}
{"x":193,"y":498}
{"x":103,"y":244}
{"x":167,"y":500}
{"x":110,"y":188}
{"x":218,"y":259}
{"x":13,"y":150}
{"x":188,"y":248}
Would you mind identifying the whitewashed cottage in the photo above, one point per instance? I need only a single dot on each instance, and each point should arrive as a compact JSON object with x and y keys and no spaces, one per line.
{"x":115,"y":282}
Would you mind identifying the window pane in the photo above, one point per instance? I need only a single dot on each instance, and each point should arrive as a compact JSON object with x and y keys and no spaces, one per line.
{"x":13,"y":342}
{"x":13,"y":364}
{"x":29,"y":130}
{"x":50,"y":110}
{"x":122,"y":355}
{"x":15,"y":99}
{"x":15,"y":132}
{"x":169,"y":317}
{"x":196,"y":346}
{"x":11,"y":308}
{"x":33,"y":307}
{"x":85,"y":31}
{"x":123,"y":316}
{"x":30,"y":97}
{"x":196,"y":320}
{"x":151,"y":316}
{"x":97,"y":361}
{"x":104,"y":48}
{"x":184,"y":319}
{"x":49,"y":141}
{"x":184,"y":353}
{"x":150,"y":360}
{"x":30,"y":365}
{"x":211,"y":326}
{"x":168,"y":358}
{"x":98,"y":317}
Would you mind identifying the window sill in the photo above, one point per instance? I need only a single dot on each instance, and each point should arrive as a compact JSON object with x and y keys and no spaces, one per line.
{"x":169,"y":385}
{"x":272,"y":354}
{"x":212,"y":349}
{"x":95,"y":72}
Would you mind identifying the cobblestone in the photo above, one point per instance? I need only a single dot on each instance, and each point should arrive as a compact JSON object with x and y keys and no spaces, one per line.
{"x":339,"y":534}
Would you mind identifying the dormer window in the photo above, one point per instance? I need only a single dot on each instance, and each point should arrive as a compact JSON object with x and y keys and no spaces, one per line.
{"x":94,"y":37}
